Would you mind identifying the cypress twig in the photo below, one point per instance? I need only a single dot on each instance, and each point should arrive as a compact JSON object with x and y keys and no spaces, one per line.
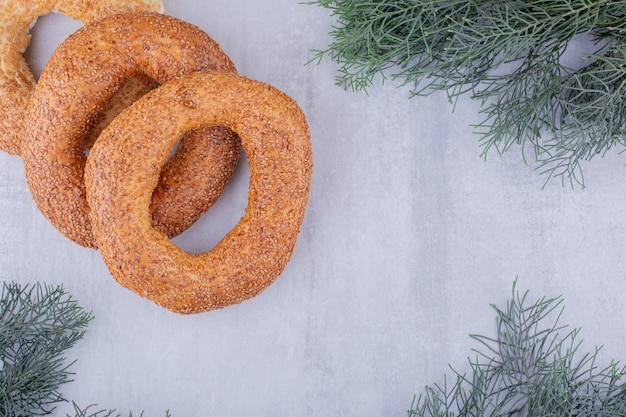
{"x":38,"y":324}
{"x":532,"y":367}
{"x":508,"y":55}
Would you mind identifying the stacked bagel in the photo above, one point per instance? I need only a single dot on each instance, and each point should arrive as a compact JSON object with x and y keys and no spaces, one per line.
{"x":97,"y":135}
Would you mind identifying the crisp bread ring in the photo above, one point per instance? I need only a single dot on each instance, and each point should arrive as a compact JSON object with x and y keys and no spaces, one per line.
{"x":130,"y":91}
{"x":16,"y":80}
{"x":275,"y":136}
{"x":195,"y":175}
{"x":82,"y":74}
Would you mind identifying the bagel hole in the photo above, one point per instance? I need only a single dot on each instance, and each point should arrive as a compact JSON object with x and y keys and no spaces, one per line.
{"x":48,"y":32}
{"x":222,"y":216}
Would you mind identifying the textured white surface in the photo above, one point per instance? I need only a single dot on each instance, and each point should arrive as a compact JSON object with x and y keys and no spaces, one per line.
{"x":408,"y":238}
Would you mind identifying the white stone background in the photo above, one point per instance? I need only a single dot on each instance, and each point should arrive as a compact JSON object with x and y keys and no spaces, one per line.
{"x":408,"y":237}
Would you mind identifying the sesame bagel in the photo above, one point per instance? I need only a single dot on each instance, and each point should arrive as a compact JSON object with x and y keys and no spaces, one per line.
{"x":17,"y":81}
{"x":119,"y":183}
{"x":75,"y":86}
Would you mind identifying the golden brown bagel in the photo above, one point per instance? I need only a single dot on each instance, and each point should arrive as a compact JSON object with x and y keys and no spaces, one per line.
{"x":123,"y":169}
{"x":16,"y":80}
{"x":76,"y":84}
{"x":131,"y":90}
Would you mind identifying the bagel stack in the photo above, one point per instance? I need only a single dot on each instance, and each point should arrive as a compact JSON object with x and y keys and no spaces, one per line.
{"x":112,"y":103}
{"x":16,"y":80}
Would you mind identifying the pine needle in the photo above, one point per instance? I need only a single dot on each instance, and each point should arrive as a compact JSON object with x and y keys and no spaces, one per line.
{"x":533,"y":367}
{"x":86,"y":412}
{"x":506,"y":54}
{"x":38,"y":324}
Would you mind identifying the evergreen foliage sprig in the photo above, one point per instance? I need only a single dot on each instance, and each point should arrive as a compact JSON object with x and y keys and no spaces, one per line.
{"x":533,"y":367}
{"x":86,"y":412}
{"x":506,"y":54}
{"x":38,"y":324}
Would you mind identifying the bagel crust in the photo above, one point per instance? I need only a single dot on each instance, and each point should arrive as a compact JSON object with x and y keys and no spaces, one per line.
{"x":123,"y":169}
{"x":76,"y":84}
{"x":17,"y":81}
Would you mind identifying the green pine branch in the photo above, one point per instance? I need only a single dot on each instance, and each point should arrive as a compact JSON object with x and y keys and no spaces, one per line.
{"x":506,"y":54}
{"x":86,"y":412}
{"x":38,"y":324}
{"x":534,"y":366}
